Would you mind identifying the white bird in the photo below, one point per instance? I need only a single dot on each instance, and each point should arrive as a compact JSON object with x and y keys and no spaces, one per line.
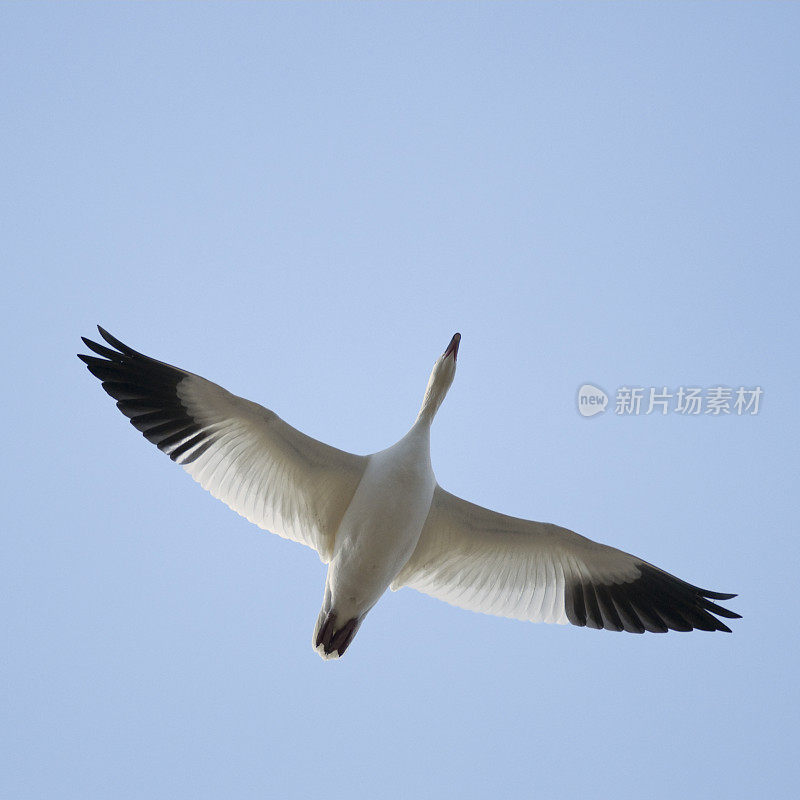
{"x":382,"y":520}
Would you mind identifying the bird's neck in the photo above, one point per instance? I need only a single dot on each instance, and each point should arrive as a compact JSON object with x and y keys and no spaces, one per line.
{"x":434,"y":395}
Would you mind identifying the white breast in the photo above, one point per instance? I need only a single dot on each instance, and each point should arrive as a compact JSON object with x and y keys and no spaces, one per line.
{"x":382,"y":524}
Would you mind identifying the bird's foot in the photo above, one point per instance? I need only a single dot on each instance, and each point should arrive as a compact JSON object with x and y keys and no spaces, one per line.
{"x":330,"y":641}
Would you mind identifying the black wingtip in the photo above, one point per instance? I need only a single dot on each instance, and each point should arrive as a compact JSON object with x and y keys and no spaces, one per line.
{"x":146,"y":393}
{"x":723,"y":628}
{"x":716,"y":595}
{"x":114,"y":342}
{"x":655,"y":601}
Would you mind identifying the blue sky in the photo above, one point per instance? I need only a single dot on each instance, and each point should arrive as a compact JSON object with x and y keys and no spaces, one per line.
{"x":303,"y":202}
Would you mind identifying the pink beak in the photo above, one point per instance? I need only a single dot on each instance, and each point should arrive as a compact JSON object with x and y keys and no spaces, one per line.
{"x":452,"y":348}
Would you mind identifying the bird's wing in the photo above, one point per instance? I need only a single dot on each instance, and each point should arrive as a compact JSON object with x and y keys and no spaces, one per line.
{"x":244,"y":454}
{"x":483,"y":561}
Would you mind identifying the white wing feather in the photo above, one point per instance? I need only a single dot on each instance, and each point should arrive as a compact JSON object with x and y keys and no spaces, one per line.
{"x":242,"y":453}
{"x":264,"y":469}
{"x":484,"y":561}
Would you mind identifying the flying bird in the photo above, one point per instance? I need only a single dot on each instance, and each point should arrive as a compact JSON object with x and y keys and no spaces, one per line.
{"x":382,"y":521}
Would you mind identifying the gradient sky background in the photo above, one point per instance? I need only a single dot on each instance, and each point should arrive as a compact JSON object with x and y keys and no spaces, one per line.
{"x":303,"y":203}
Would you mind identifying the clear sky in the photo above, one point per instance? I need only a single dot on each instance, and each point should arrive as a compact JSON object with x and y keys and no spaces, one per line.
{"x":303,"y":203}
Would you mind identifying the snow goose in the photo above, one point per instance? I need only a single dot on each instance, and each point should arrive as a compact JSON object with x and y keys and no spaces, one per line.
{"x":382,"y":521}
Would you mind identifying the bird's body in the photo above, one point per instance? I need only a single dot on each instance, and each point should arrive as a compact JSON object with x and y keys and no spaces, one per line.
{"x":382,"y":524}
{"x":382,"y":520}
{"x":379,"y":530}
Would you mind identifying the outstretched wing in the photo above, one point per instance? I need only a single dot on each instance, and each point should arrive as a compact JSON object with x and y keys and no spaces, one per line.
{"x":483,"y":561}
{"x":244,"y":454}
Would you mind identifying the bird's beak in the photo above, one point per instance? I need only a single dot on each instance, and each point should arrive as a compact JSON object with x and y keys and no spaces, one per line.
{"x":452,"y":348}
